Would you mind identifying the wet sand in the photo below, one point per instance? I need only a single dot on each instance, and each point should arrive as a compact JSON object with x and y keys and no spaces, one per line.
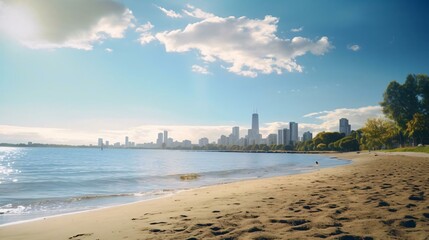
{"x":378,"y":196}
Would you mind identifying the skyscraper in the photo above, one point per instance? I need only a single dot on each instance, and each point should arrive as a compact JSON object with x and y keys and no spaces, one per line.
{"x":235,"y":136}
{"x":286,"y":136}
{"x":280,"y":139}
{"x":159,"y":140}
{"x":293,"y":127}
{"x":100,"y":142}
{"x":307,"y":136}
{"x":127,"y":142}
{"x":236,"y":132}
{"x":166,"y":138}
{"x":254,"y":133}
{"x":272,"y":139}
{"x":345,"y":127}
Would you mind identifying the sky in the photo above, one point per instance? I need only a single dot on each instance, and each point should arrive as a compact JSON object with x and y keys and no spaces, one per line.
{"x":74,"y":71}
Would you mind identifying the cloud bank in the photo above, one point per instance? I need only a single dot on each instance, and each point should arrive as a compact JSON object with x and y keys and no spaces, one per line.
{"x":50,"y":24}
{"x":249,"y":46}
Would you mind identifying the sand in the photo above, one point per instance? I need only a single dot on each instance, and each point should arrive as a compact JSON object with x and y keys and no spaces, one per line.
{"x":379,"y":196}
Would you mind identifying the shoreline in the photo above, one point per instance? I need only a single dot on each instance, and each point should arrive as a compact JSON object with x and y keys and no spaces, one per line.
{"x":174,"y":192}
{"x":244,"y":207}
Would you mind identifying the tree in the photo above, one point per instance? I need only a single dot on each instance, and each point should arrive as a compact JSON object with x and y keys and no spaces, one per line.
{"x":327,"y":137}
{"x":378,"y":132}
{"x":321,"y":146}
{"x":418,"y":127}
{"x":349,"y":144}
{"x":423,"y":91}
{"x":400,"y":102}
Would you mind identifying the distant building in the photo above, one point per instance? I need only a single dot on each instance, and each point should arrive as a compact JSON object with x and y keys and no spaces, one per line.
{"x":223,"y":140}
{"x":159,"y":140}
{"x":169,"y":142}
{"x":280,"y":139}
{"x":235,"y":136}
{"x":100,"y":142}
{"x":272,"y":139}
{"x":186,"y":144}
{"x":117,"y":144}
{"x":254,"y":136}
{"x":293,"y":127}
{"x":307,"y":136}
{"x":286,"y":136}
{"x":127,"y":142}
{"x":166,"y":138}
{"x":107,"y":143}
{"x":203,"y":142}
{"x":345,"y":127}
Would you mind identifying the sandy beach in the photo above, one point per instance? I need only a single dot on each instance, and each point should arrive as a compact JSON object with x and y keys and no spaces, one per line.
{"x":378,"y":196}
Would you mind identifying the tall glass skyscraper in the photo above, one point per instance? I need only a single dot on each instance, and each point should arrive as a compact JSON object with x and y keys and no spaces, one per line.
{"x":293,"y":127}
{"x":254,"y":132}
{"x":345,"y":127}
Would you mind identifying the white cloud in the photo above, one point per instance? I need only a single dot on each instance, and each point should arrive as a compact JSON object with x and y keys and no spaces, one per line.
{"x":47,"y":24}
{"x":169,"y":13}
{"x":329,"y":120}
{"x":197,"y":13}
{"x":200,"y":69}
{"x":250,"y":46}
{"x":297,"y":29}
{"x":356,"y":116}
{"x":354,"y":47}
{"x":109,"y":50}
{"x":145,"y":34}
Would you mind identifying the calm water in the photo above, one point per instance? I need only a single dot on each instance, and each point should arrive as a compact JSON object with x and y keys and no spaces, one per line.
{"x":38,"y":182}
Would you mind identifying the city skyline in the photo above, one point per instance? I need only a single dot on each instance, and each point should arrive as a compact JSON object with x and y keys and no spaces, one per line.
{"x":132,"y":68}
{"x":286,"y":136}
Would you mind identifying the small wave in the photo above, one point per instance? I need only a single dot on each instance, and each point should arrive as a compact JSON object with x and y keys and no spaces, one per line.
{"x":8,"y":209}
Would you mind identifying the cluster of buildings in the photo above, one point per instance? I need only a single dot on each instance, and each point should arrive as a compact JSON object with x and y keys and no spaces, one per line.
{"x":286,"y":136}
{"x":127,"y":143}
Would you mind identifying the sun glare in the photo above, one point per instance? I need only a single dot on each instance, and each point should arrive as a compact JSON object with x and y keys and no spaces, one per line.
{"x":18,"y":22}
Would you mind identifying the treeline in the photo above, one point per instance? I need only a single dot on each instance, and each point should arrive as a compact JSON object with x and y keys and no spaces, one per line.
{"x":249,"y":148}
{"x":332,"y":141}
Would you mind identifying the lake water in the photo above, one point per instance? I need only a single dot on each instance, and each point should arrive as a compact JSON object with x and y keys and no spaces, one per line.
{"x":39,"y":182}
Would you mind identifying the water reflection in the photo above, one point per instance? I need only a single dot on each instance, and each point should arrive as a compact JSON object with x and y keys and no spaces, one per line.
{"x":8,"y":172}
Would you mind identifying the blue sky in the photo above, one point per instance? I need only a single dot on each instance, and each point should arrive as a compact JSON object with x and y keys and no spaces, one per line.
{"x":71,"y":71}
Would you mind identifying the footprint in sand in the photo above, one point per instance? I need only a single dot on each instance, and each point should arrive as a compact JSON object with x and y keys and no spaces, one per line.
{"x":81,"y":235}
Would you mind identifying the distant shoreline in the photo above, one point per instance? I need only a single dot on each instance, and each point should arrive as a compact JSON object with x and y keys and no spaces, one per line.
{"x":37,"y":145}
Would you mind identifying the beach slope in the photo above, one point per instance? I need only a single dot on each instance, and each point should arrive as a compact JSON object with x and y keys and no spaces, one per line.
{"x":378,"y":196}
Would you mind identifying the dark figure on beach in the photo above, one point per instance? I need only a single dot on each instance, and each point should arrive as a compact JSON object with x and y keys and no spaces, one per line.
{"x":317,"y":163}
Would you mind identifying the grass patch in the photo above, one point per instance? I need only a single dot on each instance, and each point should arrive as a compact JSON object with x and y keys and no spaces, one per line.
{"x":424,"y":149}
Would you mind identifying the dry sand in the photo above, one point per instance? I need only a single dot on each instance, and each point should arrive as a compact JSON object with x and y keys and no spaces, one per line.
{"x":379,"y":196}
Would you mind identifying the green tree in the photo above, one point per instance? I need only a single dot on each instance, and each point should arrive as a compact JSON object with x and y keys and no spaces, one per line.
{"x":348,"y":144}
{"x":418,"y":127}
{"x":378,"y":132}
{"x":401,"y":102}
{"x":423,"y":91}
{"x":321,"y":147}
{"x":327,"y":137}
